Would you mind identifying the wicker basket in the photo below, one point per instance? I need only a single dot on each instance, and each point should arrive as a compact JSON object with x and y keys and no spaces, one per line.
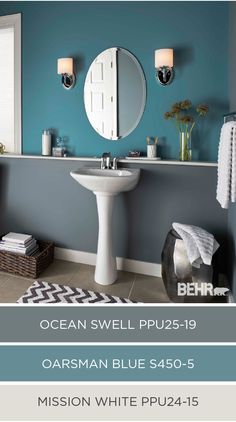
{"x":28,"y":266}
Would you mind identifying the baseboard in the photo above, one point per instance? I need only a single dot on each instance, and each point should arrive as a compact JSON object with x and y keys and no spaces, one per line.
{"x":131,"y":265}
{"x":75,"y":256}
{"x":230,"y":298}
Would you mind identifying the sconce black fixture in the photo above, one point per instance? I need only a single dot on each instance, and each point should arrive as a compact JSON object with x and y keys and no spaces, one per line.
{"x":164,"y":64}
{"x":65,"y":69}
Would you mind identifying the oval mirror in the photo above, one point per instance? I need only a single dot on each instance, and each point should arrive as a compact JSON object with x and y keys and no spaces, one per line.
{"x":115,"y":93}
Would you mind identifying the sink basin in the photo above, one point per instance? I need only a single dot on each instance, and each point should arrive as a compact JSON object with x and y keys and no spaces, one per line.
{"x":106,"y":184}
{"x":109,"y":181}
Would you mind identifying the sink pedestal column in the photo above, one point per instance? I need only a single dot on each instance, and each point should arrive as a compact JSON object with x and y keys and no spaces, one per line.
{"x":105,"y":272}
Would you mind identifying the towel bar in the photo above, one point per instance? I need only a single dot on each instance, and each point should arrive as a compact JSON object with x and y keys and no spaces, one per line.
{"x":230,"y":117}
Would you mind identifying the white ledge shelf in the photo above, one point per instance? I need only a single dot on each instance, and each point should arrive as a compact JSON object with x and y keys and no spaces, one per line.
{"x":121,"y":160}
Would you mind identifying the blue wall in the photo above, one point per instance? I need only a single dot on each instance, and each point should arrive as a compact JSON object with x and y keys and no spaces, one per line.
{"x":198,"y":31}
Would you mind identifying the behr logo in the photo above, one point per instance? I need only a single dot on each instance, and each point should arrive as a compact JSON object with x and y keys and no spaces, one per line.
{"x":201,"y":289}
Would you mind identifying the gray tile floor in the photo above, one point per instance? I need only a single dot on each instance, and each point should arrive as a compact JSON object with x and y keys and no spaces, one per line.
{"x":136,"y":287}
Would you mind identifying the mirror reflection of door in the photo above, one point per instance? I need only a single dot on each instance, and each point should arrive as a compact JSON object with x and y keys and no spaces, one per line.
{"x":101,"y":94}
{"x":115,"y":93}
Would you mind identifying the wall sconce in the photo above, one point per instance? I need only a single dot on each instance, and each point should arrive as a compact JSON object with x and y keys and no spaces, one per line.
{"x":164,"y":63}
{"x":65,"y":69}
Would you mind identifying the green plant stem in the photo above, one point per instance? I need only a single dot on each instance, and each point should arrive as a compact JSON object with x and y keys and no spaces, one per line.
{"x":191,"y":129}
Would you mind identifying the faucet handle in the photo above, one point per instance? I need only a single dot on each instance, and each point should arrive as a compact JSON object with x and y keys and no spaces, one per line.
{"x":114,"y":163}
{"x":103,"y":165}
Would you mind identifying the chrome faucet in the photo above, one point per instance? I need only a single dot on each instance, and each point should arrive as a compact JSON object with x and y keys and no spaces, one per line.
{"x":107,"y":162}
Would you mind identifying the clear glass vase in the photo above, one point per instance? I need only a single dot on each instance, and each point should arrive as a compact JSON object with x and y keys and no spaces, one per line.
{"x":185,"y":149}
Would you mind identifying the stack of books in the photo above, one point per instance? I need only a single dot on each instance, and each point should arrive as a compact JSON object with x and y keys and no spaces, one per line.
{"x":22,"y":244}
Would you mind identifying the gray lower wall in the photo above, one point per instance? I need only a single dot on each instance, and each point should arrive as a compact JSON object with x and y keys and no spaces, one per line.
{"x":39,"y":197}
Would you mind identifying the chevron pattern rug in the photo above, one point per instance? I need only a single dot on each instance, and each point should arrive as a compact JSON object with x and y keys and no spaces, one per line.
{"x":43,"y":292}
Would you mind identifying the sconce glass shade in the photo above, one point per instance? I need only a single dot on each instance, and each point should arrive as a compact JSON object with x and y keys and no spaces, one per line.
{"x":65,"y":65}
{"x":164,"y":62}
{"x":65,"y":69}
{"x":164,"y":57}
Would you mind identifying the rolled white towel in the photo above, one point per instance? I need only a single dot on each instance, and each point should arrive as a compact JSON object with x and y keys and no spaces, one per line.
{"x":233,"y":167}
{"x":199,"y":244}
{"x":226,"y":182}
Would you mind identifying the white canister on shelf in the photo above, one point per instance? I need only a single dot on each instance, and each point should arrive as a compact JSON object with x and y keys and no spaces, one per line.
{"x":46,"y":143}
{"x":151,"y":150}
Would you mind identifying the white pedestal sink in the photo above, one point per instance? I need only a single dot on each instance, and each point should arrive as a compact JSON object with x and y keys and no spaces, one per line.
{"x":105,"y":184}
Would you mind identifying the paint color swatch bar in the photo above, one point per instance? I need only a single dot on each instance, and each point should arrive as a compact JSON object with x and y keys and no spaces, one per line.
{"x":117,"y":402}
{"x":137,"y":323}
{"x":117,"y":363}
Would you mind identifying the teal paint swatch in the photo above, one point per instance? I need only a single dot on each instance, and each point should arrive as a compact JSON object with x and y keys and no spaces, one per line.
{"x":139,"y":363}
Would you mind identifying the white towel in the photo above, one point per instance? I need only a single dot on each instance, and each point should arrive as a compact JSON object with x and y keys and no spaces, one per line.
{"x":233,"y":167}
{"x":226,"y":183}
{"x":199,"y":244}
